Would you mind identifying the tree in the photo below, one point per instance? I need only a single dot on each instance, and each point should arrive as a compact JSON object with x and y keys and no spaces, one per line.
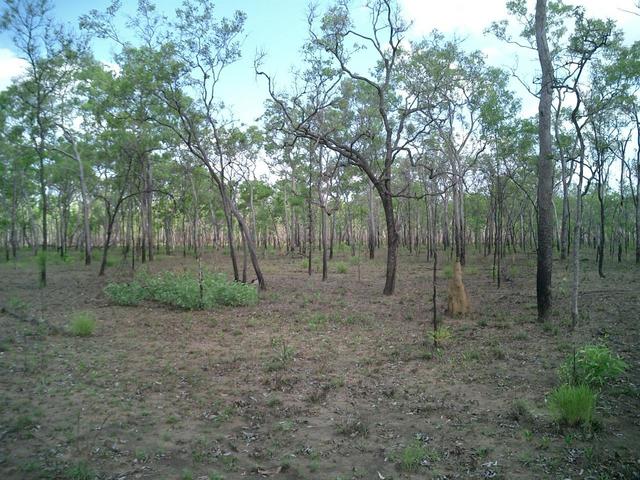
{"x":47,"y":49}
{"x":545,"y":168}
{"x":374,"y":133}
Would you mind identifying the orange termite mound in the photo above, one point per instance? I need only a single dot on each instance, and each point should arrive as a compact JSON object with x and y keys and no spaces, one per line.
{"x":457,"y":300}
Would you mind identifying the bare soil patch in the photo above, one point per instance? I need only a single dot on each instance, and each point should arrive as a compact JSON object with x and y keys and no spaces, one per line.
{"x":321,"y":380}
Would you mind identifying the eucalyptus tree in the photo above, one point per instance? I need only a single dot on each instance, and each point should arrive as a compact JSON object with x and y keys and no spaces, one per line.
{"x":392,"y":103}
{"x":48,"y":51}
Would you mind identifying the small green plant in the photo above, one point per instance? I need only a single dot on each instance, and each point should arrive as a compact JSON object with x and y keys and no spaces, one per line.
{"x":282,"y":355}
{"x":317,"y":321}
{"x":413,"y":456}
{"x":82,"y":324}
{"x":125,"y":293}
{"x":520,"y":411}
{"x":17,"y":305}
{"x":352,"y":427}
{"x":79,"y":471}
{"x":573,"y":404}
{"x":341,"y":267}
{"x":440,"y":336}
{"x":592,"y":365}
{"x":447,"y":271}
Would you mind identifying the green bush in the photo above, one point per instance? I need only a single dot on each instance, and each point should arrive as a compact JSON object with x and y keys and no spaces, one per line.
{"x":595,"y":366}
{"x":182,"y":290}
{"x":82,"y":324}
{"x":573,"y":404}
{"x":341,"y":267}
{"x":125,"y":293}
{"x":441,"y":335}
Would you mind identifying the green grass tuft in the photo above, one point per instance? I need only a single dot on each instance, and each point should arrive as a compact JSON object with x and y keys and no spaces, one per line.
{"x":573,"y":405}
{"x":82,"y":324}
{"x":413,"y":456}
{"x":341,"y":267}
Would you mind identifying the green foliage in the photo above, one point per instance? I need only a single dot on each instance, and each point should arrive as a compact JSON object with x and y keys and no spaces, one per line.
{"x":447,"y":271}
{"x":594,"y":366}
{"x":413,"y":456}
{"x":573,"y":404}
{"x":125,"y":293}
{"x":441,"y":335}
{"x":80,"y":471}
{"x":341,"y":267}
{"x":183,"y":290}
{"x":282,"y":355}
{"x":82,"y":324}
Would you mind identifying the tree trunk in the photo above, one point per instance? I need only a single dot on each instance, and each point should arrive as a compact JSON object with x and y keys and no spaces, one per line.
{"x":371,"y":238}
{"x":545,"y":169}
{"x":392,"y":240}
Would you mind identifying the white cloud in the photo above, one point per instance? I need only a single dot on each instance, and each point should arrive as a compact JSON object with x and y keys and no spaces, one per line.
{"x":113,"y":68}
{"x":10,"y":67}
{"x":472,"y":17}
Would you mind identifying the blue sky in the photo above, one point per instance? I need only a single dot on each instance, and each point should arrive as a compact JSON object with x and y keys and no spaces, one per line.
{"x":278,"y":27}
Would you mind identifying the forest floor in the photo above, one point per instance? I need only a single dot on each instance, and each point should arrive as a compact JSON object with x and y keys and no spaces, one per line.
{"x":319,"y":380}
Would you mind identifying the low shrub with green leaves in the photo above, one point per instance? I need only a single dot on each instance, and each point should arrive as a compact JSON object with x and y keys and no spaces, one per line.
{"x":82,"y":324}
{"x":341,"y":267}
{"x":183,"y":290}
{"x":573,"y":404}
{"x":593,"y":365}
{"x":441,"y":335}
{"x":125,"y":293}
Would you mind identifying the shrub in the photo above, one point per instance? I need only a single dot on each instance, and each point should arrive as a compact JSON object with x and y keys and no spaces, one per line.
{"x":439,"y":336}
{"x":125,"y":293}
{"x":183,"y":290}
{"x":341,"y":267}
{"x":595,"y":366}
{"x":82,"y":324}
{"x":573,"y":404}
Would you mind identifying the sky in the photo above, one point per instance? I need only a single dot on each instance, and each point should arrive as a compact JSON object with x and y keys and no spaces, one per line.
{"x":279,"y":28}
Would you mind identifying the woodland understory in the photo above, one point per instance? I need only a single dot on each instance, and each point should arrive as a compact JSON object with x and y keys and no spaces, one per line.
{"x":186,"y":296}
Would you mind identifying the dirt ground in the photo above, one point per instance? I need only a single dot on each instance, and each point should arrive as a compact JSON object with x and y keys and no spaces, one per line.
{"x":319,"y":380}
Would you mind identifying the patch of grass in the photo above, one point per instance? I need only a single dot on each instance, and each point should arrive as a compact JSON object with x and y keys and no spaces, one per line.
{"x":79,"y":471}
{"x":282,"y":355}
{"x":413,"y":456}
{"x":341,"y":267}
{"x":17,"y":305}
{"x":447,"y":271}
{"x":440,"y":336}
{"x":497,"y":353}
{"x":520,"y":411}
{"x":82,"y":324}
{"x":573,"y":405}
{"x":24,"y":422}
{"x":471,"y":356}
{"x":128,"y":294}
{"x":521,"y":336}
{"x":317,"y":321}
{"x":594,"y":365}
{"x":352,"y":427}
{"x":184,"y":290}
{"x":356,"y":319}
{"x":550,"y":328}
